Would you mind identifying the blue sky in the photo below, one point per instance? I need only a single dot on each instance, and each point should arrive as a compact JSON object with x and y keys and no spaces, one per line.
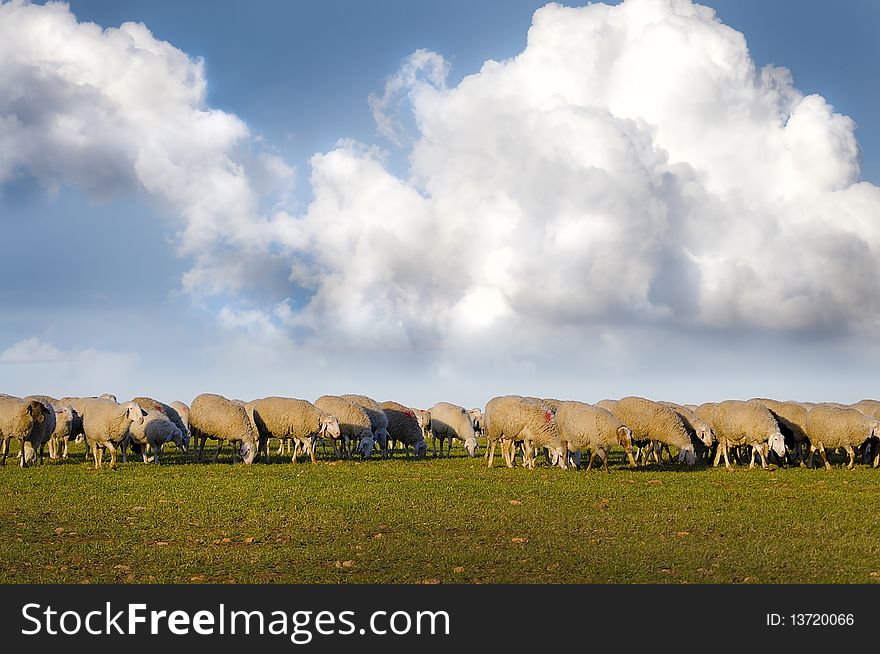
{"x":342,"y":273}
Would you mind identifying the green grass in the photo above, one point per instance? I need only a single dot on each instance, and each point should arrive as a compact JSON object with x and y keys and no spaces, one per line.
{"x":448,"y":520}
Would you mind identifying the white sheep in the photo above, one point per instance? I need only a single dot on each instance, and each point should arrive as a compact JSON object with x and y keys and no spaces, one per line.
{"x":654,"y":424}
{"x":106,"y":424}
{"x":22,"y":420}
{"x":155,"y":430}
{"x":214,"y":416}
{"x":510,"y":419}
{"x":449,"y":421}
{"x":582,"y":426}
{"x":378,"y":421}
{"x":739,"y":422}
{"x":354,"y":425}
{"x":289,"y":419}
{"x":830,"y":426}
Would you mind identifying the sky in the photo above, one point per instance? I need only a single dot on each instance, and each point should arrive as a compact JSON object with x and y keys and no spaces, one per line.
{"x":440,"y":200}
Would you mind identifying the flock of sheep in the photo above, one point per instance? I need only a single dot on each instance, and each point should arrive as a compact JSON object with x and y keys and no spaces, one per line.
{"x":357,"y":425}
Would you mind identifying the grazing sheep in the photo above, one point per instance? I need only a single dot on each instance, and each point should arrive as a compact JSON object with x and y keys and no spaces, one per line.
{"x":834,"y":426}
{"x":872,"y":447}
{"x":354,"y":424}
{"x":739,"y":422}
{"x":582,"y":426}
{"x":510,"y":419}
{"x":214,"y":416}
{"x":404,"y":428}
{"x":699,"y":430}
{"x":108,"y":396}
{"x":106,"y":424}
{"x":21,"y":419}
{"x":654,"y":423}
{"x":155,"y":430}
{"x":792,"y":418}
{"x":289,"y":419}
{"x":378,"y":419}
{"x":449,"y":421}
{"x":476,"y":416}
{"x":424,"y":418}
{"x":149,"y":404}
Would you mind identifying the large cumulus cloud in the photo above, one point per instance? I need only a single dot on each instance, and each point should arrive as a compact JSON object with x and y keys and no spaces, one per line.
{"x":631,"y":166}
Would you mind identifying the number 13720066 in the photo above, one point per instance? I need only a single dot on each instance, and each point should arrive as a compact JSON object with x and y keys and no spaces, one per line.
{"x":811,"y":620}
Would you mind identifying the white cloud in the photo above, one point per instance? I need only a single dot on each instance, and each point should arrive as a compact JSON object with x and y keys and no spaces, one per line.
{"x":33,"y":366}
{"x":631,"y":165}
{"x":117,"y":109}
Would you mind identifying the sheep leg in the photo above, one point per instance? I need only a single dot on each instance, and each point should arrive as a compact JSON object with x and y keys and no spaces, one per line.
{"x":449,"y":447}
{"x":5,"y":448}
{"x":852,"y":457}
{"x":64,"y":453}
{"x":592,"y":458}
{"x":112,"y":449}
{"x":217,"y":453}
{"x":434,"y":446}
{"x":156,"y":450}
{"x":604,"y":457}
{"x":311,"y":449}
{"x":824,"y":456}
{"x":631,"y":458}
{"x":98,"y":453}
{"x":53,"y":449}
{"x":201,"y":447}
{"x":752,"y":462}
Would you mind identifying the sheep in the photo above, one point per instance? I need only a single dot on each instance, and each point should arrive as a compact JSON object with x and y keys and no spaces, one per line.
{"x":293,"y":419}
{"x":155,"y":430}
{"x":792,"y":419}
{"x":106,"y":424}
{"x":743,"y":422}
{"x":511,"y":418}
{"x":148,"y":404}
{"x":404,"y":428}
{"x":108,"y":396}
{"x":45,"y":429}
{"x":354,"y":425}
{"x":476,"y":416}
{"x":183,"y":411}
{"x":378,"y":419}
{"x":21,"y":419}
{"x":424,"y":419}
{"x":654,"y":423}
{"x":870,"y":408}
{"x":214,"y":416}
{"x":582,"y":426}
{"x":834,"y":426}
{"x":700,"y":431}
{"x":449,"y":421}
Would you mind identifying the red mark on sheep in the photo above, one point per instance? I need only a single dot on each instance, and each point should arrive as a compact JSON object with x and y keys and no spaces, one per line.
{"x":548,"y":416}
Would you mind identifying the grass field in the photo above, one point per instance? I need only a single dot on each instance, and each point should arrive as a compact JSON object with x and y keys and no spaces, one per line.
{"x":448,"y":520}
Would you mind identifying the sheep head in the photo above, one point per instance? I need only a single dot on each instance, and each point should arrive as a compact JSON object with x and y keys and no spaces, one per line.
{"x":366,"y":444}
{"x":329,"y":427}
{"x":776,"y":442}
{"x":248,"y":451}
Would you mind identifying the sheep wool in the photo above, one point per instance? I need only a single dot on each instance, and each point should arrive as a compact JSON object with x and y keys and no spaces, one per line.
{"x":148,"y":403}
{"x":156,"y":430}
{"x":354,"y":421}
{"x":655,"y":423}
{"x":106,"y":423}
{"x":216,"y":417}
{"x":293,"y":419}
{"x":404,"y":428}
{"x":511,"y":418}
{"x":45,"y":428}
{"x":22,"y":420}
{"x":582,"y":426}
{"x":831,"y":426}
{"x":378,"y":419}
{"x":743,"y":422}
{"x":449,"y":421}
